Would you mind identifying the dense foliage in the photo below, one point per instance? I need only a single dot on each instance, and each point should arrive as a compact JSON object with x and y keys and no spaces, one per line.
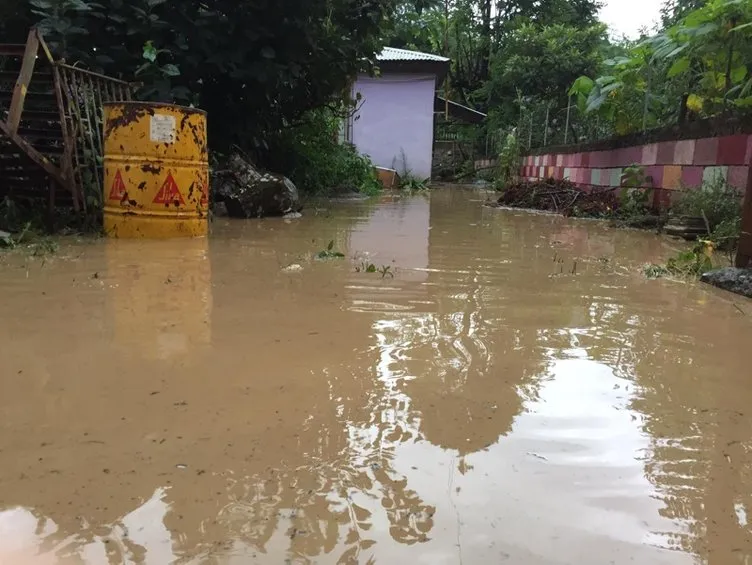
{"x":695,"y":67}
{"x":256,"y":66}
{"x":316,"y":161}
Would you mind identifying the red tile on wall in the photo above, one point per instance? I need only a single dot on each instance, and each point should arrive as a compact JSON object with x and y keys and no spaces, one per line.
{"x":628,"y":156}
{"x":655,"y":172}
{"x":600,"y":159}
{"x":732,"y":150}
{"x":737,"y":177}
{"x":666,"y":150}
{"x":585,"y":162}
{"x":691,"y":176}
{"x":706,"y":151}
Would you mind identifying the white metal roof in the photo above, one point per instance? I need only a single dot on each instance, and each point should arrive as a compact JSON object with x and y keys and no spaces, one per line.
{"x":394,"y":54}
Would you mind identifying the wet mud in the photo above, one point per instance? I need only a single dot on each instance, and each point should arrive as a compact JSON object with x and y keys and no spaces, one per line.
{"x":515,"y":393}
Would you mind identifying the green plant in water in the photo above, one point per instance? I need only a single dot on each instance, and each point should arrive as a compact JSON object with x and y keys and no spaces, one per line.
{"x":412,"y":183}
{"x":509,"y":161}
{"x":407,"y":179}
{"x":330,"y":253}
{"x":365,"y":267}
{"x":386,"y":271}
{"x":36,"y":244}
{"x":687,"y":264}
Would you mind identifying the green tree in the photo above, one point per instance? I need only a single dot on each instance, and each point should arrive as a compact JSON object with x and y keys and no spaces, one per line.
{"x":257,"y":66}
{"x":540,"y":63}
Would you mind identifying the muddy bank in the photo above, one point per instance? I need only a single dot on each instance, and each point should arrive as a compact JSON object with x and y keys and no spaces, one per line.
{"x":516,"y":392}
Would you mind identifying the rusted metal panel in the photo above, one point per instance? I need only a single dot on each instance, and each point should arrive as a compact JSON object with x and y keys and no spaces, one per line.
{"x":55,"y":125}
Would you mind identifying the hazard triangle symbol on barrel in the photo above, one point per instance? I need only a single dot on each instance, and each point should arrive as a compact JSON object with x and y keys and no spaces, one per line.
{"x":118,"y":187}
{"x":169,"y":193}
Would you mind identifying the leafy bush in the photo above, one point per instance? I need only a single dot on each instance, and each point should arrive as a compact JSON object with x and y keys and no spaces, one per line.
{"x":314,"y":159}
{"x":687,"y":264}
{"x":509,"y":161}
{"x":719,"y":204}
{"x":409,"y":181}
{"x":256,"y":67}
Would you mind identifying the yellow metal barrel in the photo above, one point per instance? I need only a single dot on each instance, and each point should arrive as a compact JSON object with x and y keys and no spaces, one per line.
{"x":156,"y":171}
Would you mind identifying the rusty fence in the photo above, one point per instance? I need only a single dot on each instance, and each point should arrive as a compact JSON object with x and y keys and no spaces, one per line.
{"x":51,"y":126}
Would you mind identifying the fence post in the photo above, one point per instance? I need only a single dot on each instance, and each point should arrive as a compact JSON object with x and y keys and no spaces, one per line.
{"x":744,"y":251}
{"x":530,"y":136}
{"x":645,"y":102}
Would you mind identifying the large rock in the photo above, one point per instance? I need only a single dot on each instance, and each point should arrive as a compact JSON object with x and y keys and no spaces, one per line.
{"x":249,"y":193}
{"x":731,"y":279}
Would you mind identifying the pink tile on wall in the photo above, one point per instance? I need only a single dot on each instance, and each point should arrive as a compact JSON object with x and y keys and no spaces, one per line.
{"x":649,"y":154}
{"x":560,"y":159}
{"x":732,"y":150}
{"x":666,"y":151}
{"x":737,"y":177}
{"x":706,"y":151}
{"x":671,"y":176}
{"x":691,"y":177}
{"x":655,"y":172}
{"x":558,"y":173}
{"x":684,"y":152}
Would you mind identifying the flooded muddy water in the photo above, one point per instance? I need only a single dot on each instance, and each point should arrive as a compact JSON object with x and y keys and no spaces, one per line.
{"x":511,"y":390}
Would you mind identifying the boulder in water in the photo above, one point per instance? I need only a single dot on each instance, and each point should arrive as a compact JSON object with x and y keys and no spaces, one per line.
{"x":731,"y":279}
{"x":249,"y":193}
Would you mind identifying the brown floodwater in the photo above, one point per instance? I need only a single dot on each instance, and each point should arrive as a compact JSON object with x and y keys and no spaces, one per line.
{"x":511,"y":390}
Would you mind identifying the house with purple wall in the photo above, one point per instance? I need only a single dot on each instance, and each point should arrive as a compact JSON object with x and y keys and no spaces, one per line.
{"x":394,"y":122}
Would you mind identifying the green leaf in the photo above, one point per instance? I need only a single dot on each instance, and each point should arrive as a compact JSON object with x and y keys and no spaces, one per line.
{"x":595,"y":102}
{"x":738,"y":73}
{"x":680,"y":66}
{"x":583,"y":85}
{"x":170,"y":70}
{"x":741,"y":27}
{"x":150,"y":52}
{"x":330,"y":246}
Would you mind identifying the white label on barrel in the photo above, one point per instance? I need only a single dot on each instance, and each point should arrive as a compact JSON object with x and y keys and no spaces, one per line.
{"x":162,"y":128}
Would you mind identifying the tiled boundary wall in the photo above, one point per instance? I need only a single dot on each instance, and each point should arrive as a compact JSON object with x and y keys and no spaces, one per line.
{"x":671,"y":165}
